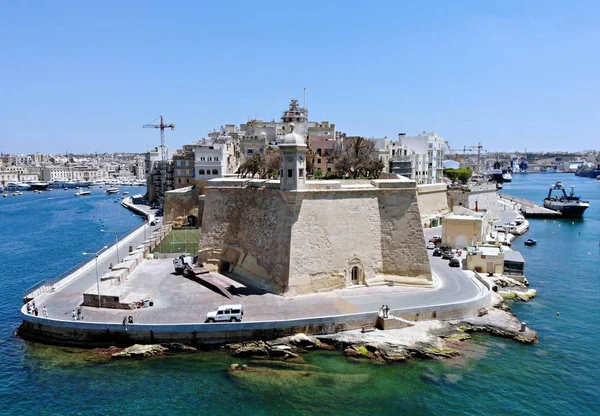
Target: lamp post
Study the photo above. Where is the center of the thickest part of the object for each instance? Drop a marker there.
(97, 276)
(116, 241)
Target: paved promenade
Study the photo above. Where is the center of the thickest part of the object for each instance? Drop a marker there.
(180, 300)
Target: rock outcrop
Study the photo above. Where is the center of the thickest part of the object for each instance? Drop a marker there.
(152, 350)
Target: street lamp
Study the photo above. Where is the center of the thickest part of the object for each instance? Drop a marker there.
(97, 276)
(116, 240)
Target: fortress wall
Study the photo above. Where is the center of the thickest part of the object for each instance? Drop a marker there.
(485, 196)
(247, 229)
(403, 243)
(310, 241)
(335, 230)
(181, 204)
(433, 201)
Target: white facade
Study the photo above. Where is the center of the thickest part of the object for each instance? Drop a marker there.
(210, 160)
(428, 156)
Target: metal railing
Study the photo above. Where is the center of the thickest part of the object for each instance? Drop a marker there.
(46, 285)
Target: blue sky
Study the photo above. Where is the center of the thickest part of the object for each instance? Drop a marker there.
(84, 76)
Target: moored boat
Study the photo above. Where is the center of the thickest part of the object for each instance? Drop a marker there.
(568, 205)
(112, 191)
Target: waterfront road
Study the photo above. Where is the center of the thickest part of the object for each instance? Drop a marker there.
(180, 300)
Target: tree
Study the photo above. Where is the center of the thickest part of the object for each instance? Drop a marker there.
(359, 159)
(464, 174)
(451, 174)
(271, 164)
(266, 167)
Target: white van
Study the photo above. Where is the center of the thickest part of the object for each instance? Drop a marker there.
(226, 313)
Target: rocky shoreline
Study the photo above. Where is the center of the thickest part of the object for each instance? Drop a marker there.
(428, 339)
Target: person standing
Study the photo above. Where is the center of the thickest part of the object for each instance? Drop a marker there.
(79, 313)
(44, 312)
(74, 314)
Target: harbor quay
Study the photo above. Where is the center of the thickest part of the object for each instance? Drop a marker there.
(180, 306)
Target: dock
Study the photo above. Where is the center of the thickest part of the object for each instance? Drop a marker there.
(530, 209)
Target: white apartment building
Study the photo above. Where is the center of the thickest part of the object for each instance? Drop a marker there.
(428, 156)
(210, 160)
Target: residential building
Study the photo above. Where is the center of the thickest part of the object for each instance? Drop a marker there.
(428, 157)
(211, 160)
(323, 140)
(183, 169)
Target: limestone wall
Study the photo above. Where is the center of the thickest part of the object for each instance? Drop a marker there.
(433, 202)
(484, 196)
(310, 241)
(181, 204)
(250, 230)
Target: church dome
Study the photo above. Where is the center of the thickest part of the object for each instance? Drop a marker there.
(293, 137)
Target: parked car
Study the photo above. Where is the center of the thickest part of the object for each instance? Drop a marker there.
(447, 255)
(435, 239)
(226, 313)
(437, 252)
(430, 246)
(454, 262)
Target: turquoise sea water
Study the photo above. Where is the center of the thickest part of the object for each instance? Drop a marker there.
(558, 376)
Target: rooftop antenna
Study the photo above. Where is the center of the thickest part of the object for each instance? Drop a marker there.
(304, 105)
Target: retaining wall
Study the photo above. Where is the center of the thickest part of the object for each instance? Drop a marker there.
(97, 334)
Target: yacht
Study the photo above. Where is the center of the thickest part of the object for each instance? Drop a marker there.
(17, 186)
(112, 191)
(83, 193)
(37, 185)
(568, 205)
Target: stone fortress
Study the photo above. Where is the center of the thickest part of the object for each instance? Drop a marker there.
(292, 236)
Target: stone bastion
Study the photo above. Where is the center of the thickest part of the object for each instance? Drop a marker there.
(329, 235)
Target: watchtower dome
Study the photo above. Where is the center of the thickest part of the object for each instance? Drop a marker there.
(293, 161)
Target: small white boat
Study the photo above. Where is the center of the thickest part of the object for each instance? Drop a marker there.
(112, 191)
(125, 193)
(83, 193)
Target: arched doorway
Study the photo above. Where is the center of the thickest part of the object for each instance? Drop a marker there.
(355, 275)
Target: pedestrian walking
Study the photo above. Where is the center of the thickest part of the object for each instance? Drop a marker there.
(35, 311)
(44, 312)
(74, 314)
(387, 311)
(125, 322)
(79, 313)
(29, 308)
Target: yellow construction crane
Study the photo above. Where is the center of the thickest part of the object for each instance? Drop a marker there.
(454, 156)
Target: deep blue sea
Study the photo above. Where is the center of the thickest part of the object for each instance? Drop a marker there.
(558, 376)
